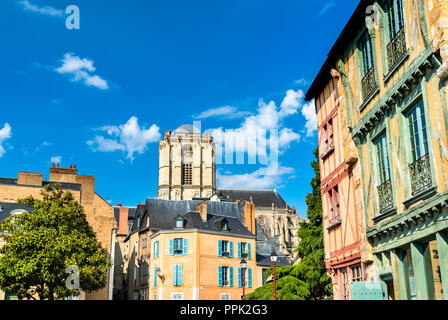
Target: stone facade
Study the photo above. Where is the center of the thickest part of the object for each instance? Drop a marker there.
(186, 165)
(99, 212)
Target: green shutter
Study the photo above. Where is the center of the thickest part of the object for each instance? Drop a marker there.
(171, 247)
(231, 249)
(249, 277)
(249, 251)
(239, 250)
(155, 276)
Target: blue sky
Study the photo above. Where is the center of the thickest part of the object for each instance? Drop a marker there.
(100, 97)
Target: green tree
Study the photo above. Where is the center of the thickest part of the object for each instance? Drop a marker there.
(308, 279)
(42, 244)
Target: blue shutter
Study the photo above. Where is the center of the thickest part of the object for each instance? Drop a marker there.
(239, 278)
(157, 248)
(179, 274)
(249, 277)
(231, 276)
(219, 248)
(155, 276)
(171, 247)
(220, 276)
(231, 249)
(249, 251)
(154, 248)
(185, 246)
(175, 275)
(239, 250)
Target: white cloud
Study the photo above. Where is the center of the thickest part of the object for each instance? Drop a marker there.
(56, 159)
(254, 180)
(309, 112)
(5, 134)
(228, 112)
(80, 69)
(45, 10)
(129, 138)
(255, 130)
(326, 7)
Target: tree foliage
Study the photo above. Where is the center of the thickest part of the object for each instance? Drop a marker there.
(42, 244)
(308, 279)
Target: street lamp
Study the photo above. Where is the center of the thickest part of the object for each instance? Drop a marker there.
(243, 266)
(274, 260)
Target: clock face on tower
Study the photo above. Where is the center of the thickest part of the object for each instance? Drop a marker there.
(265, 226)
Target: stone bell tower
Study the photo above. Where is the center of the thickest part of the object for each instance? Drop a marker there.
(186, 164)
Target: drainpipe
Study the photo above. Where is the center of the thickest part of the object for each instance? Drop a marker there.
(110, 280)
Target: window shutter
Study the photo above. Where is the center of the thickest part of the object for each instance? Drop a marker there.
(239, 278)
(249, 251)
(179, 274)
(239, 250)
(231, 276)
(249, 277)
(171, 247)
(157, 248)
(219, 248)
(175, 275)
(154, 248)
(220, 276)
(155, 276)
(185, 246)
(231, 249)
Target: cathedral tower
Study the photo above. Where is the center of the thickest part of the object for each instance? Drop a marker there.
(186, 164)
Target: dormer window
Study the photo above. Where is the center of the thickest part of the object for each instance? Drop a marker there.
(179, 223)
(224, 225)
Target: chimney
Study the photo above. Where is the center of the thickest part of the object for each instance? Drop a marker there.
(30, 178)
(201, 207)
(249, 216)
(63, 174)
(123, 220)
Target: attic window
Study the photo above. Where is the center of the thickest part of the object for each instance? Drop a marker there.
(224, 226)
(179, 223)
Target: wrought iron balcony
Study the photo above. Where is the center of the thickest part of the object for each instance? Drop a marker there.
(420, 172)
(368, 84)
(396, 48)
(385, 196)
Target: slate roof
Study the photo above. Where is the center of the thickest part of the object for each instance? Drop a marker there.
(7, 208)
(261, 198)
(264, 249)
(162, 216)
(64, 185)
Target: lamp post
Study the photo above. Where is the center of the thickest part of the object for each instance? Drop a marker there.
(274, 260)
(243, 266)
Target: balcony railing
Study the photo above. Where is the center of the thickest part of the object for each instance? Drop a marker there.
(396, 48)
(368, 83)
(385, 196)
(420, 172)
